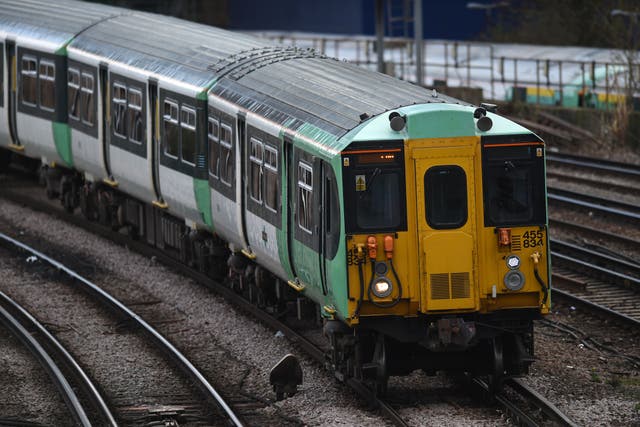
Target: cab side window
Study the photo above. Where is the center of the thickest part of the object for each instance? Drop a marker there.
(213, 135)
(73, 93)
(135, 125)
(304, 211)
(226, 155)
(188, 134)
(29, 80)
(47, 77)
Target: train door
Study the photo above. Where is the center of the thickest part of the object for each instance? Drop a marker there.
(305, 198)
(288, 208)
(106, 119)
(445, 224)
(242, 191)
(329, 221)
(12, 103)
(154, 108)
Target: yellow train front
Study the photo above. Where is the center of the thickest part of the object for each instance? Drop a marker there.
(446, 244)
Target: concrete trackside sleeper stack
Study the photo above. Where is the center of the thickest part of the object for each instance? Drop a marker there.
(414, 223)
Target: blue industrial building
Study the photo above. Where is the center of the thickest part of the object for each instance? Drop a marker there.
(442, 19)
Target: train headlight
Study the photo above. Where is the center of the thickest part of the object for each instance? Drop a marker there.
(514, 280)
(513, 262)
(382, 287)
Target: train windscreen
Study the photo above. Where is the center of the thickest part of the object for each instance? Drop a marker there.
(513, 181)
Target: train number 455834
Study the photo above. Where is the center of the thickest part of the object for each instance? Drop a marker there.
(533, 238)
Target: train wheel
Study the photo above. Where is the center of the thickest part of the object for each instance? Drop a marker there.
(380, 359)
(496, 379)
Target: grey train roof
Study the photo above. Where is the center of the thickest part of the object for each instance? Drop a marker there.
(327, 93)
(166, 46)
(52, 21)
(287, 85)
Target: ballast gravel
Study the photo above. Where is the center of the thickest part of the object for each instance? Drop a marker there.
(24, 384)
(233, 349)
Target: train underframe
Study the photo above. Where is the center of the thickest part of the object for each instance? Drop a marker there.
(380, 347)
(497, 345)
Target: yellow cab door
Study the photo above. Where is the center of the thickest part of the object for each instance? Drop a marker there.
(446, 226)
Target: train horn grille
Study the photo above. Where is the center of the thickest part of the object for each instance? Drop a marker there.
(450, 286)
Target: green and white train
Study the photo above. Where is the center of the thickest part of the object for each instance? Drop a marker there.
(413, 223)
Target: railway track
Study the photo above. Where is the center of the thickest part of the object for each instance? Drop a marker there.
(595, 273)
(295, 336)
(517, 398)
(21, 323)
(207, 392)
(625, 188)
(595, 235)
(618, 210)
(624, 170)
(598, 280)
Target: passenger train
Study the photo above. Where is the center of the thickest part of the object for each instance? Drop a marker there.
(413, 224)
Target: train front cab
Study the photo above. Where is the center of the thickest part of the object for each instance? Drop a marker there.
(447, 247)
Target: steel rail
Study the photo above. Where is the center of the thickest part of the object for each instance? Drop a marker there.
(593, 182)
(624, 210)
(598, 164)
(540, 401)
(549, 409)
(560, 247)
(594, 231)
(67, 392)
(49, 341)
(183, 363)
(620, 278)
(592, 305)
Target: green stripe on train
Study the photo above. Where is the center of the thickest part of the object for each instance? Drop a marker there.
(62, 139)
(202, 194)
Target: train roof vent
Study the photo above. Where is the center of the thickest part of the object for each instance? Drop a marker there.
(240, 64)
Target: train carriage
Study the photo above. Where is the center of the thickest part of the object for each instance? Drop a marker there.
(414, 224)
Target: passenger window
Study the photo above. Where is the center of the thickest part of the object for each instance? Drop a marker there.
(73, 97)
(305, 197)
(445, 197)
(255, 170)
(171, 128)
(119, 110)
(271, 178)
(47, 86)
(214, 146)
(226, 155)
(29, 80)
(87, 102)
(188, 127)
(135, 122)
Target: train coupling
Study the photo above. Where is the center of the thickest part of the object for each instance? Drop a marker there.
(286, 376)
(450, 332)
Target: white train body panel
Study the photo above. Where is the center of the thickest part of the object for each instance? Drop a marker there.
(36, 135)
(264, 243)
(132, 173)
(224, 211)
(88, 155)
(178, 193)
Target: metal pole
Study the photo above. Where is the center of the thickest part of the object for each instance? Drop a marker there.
(417, 29)
(538, 81)
(380, 34)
